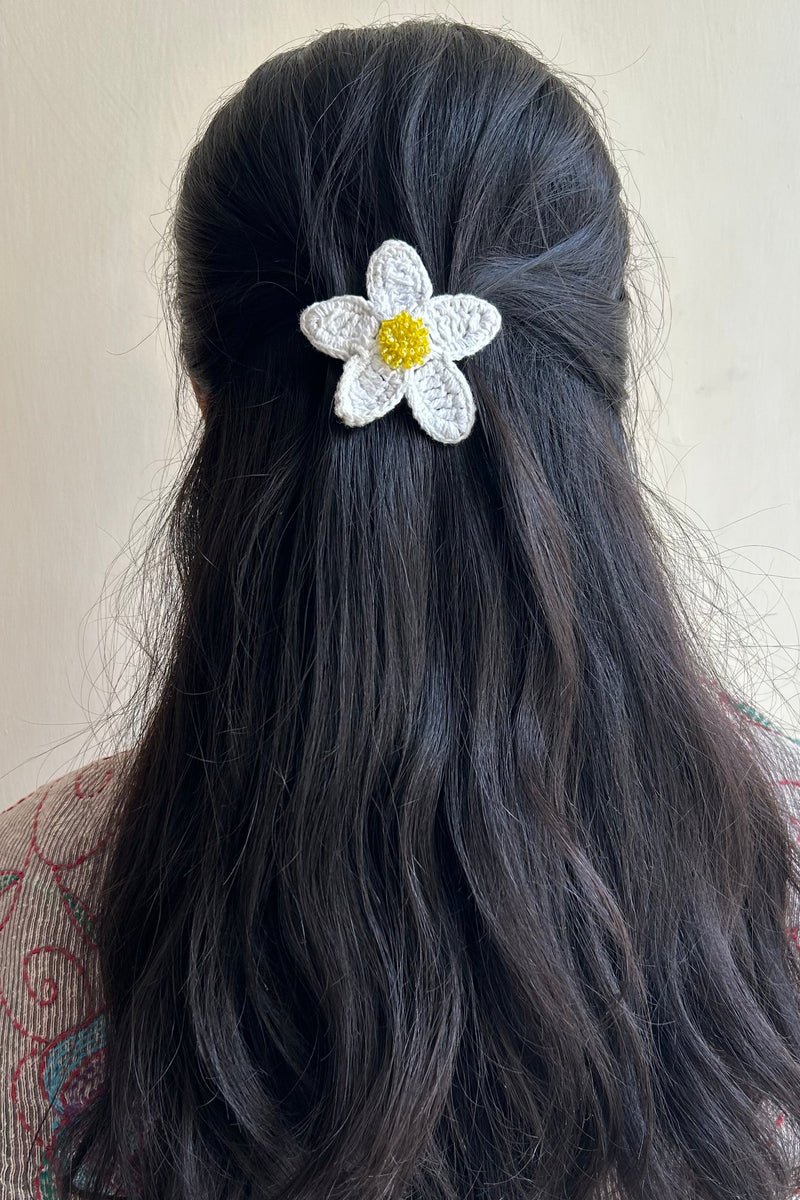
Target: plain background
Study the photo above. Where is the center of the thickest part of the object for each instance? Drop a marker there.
(98, 105)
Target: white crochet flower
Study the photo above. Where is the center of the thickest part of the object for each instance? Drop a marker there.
(402, 341)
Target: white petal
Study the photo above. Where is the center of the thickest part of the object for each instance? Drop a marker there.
(341, 327)
(460, 325)
(441, 400)
(397, 279)
(367, 389)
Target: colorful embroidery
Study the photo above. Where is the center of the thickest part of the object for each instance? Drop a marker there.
(7, 879)
(49, 973)
(71, 1074)
(758, 718)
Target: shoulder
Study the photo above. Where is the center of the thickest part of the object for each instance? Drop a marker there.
(52, 846)
(57, 820)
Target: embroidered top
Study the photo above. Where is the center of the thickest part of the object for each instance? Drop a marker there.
(51, 1019)
(51, 1013)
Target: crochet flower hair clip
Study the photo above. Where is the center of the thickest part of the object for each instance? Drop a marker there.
(402, 341)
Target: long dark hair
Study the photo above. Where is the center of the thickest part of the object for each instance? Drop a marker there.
(440, 870)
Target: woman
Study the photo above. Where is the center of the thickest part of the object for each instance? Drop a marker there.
(444, 864)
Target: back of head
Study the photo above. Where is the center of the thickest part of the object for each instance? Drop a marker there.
(440, 869)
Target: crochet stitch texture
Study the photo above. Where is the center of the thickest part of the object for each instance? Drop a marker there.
(402, 341)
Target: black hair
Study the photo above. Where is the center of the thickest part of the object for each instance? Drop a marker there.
(440, 870)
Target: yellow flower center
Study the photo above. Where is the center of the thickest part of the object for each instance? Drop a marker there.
(403, 340)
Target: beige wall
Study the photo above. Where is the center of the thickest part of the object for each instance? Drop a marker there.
(98, 101)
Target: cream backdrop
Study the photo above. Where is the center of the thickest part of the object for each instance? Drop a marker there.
(98, 103)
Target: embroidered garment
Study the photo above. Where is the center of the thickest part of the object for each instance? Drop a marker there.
(53, 844)
(52, 847)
